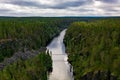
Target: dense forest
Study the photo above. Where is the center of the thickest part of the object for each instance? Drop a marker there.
(36, 68)
(94, 49)
(27, 33)
(19, 35)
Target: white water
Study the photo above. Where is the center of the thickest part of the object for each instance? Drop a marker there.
(61, 68)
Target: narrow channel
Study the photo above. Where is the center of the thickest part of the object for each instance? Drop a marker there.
(61, 68)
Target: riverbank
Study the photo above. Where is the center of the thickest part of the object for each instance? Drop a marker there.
(21, 55)
(34, 68)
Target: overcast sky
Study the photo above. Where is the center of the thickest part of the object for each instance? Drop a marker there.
(59, 7)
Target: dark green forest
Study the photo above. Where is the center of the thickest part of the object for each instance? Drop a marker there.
(94, 49)
(93, 46)
(36, 68)
(21, 34)
(28, 34)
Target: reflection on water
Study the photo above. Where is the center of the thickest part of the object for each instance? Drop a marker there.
(61, 68)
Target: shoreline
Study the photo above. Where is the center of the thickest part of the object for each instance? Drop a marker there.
(20, 55)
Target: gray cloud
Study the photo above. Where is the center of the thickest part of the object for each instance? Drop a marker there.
(108, 1)
(111, 10)
(4, 10)
(24, 3)
(82, 10)
(71, 4)
(59, 7)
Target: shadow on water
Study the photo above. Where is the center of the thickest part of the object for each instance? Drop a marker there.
(61, 68)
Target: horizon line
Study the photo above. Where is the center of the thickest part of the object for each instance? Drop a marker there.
(59, 16)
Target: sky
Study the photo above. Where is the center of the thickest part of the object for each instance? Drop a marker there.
(51, 8)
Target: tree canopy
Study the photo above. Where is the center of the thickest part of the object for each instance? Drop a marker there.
(94, 49)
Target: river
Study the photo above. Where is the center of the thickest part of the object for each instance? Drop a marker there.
(61, 68)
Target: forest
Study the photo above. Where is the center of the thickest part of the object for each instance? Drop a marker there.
(92, 44)
(93, 49)
(36, 68)
(28, 34)
(21, 34)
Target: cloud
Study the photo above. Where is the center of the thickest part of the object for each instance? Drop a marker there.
(24, 3)
(59, 7)
(72, 4)
(4, 10)
(109, 1)
(59, 4)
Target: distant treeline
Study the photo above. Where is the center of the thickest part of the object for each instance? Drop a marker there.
(94, 49)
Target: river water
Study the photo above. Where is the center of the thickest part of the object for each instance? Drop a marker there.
(61, 68)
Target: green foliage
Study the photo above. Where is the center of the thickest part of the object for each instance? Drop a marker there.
(31, 69)
(20, 34)
(94, 47)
